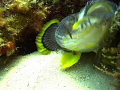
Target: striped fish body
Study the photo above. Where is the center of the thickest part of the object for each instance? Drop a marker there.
(84, 31)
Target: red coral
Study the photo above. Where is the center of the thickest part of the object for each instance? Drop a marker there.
(8, 48)
(3, 50)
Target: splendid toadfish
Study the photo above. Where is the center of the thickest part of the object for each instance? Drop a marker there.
(77, 33)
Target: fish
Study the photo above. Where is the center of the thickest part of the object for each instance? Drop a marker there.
(77, 33)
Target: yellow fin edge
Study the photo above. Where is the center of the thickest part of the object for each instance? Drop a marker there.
(39, 43)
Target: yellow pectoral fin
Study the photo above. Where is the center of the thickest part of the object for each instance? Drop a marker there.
(78, 23)
(41, 48)
(68, 59)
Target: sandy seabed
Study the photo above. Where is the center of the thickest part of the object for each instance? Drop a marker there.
(42, 72)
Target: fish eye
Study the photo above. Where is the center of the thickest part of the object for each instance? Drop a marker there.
(70, 22)
(72, 19)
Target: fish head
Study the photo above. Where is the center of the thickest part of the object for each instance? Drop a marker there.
(85, 30)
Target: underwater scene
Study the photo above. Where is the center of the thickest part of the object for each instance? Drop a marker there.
(59, 45)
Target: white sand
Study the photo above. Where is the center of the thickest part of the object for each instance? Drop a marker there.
(40, 72)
